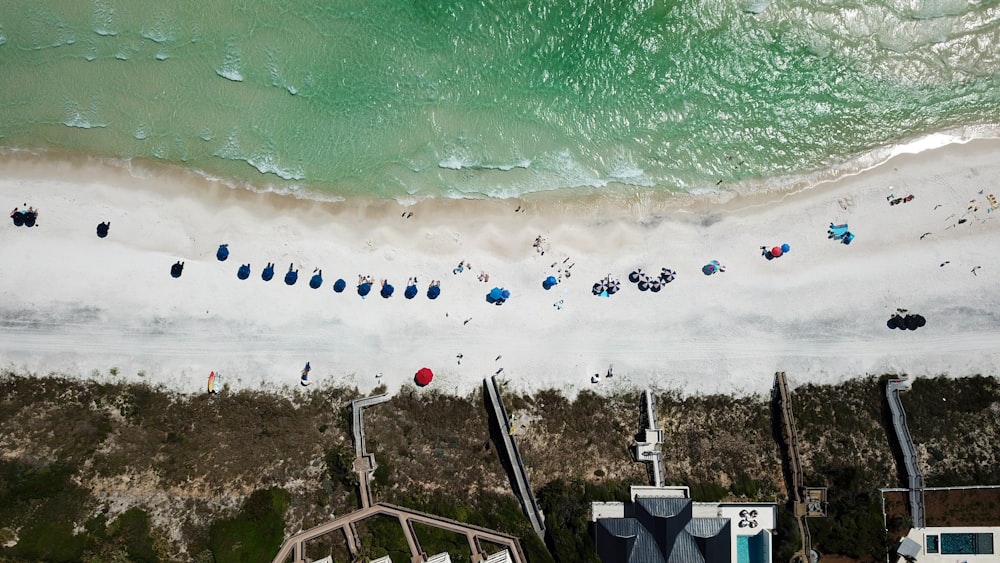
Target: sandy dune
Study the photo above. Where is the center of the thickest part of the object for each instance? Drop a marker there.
(73, 303)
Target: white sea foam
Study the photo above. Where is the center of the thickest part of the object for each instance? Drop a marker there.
(161, 31)
(103, 18)
(79, 122)
(268, 164)
(230, 148)
(141, 132)
(453, 162)
(82, 118)
(231, 62)
(456, 162)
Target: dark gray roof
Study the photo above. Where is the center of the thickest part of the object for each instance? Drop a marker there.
(663, 531)
(664, 507)
(642, 547)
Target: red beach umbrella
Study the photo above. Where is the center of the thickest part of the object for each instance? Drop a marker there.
(424, 376)
(776, 251)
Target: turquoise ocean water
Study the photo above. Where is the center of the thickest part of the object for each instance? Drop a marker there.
(461, 98)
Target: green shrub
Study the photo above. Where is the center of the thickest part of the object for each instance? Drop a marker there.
(256, 533)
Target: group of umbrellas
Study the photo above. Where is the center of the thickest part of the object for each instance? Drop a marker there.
(498, 296)
(316, 281)
(712, 267)
(24, 217)
(607, 287)
(645, 283)
(775, 251)
(906, 321)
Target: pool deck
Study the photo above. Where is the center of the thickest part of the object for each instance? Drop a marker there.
(919, 535)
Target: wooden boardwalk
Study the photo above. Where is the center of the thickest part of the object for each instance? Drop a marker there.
(784, 398)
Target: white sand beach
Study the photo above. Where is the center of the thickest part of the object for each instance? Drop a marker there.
(72, 303)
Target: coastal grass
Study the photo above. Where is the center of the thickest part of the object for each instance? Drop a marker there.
(256, 461)
(256, 533)
(436, 540)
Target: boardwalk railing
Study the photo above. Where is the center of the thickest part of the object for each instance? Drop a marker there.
(519, 477)
(913, 476)
(794, 464)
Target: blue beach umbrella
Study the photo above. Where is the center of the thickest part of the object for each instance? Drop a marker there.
(387, 290)
(433, 292)
(222, 253)
(785, 247)
(292, 276)
(549, 282)
(316, 280)
(495, 294)
(505, 294)
(709, 269)
(339, 286)
(268, 272)
(411, 292)
(244, 272)
(364, 289)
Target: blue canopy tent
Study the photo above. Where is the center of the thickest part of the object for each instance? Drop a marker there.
(411, 292)
(549, 282)
(292, 276)
(222, 253)
(244, 272)
(494, 295)
(316, 280)
(433, 292)
(268, 272)
(837, 232)
(339, 286)
(387, 290)
(364, 289)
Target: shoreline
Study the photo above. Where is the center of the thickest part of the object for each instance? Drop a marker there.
(617, 193)
(818, 313)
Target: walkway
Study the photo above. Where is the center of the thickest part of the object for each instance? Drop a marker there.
(913, 476)
(364, 463)
(519, 476)
(295, 545)
(649, 450)
(791, 438)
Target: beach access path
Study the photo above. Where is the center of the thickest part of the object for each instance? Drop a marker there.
(76, 304)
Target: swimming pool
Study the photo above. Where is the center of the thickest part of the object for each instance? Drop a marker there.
(752, 549)
(965, 544)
